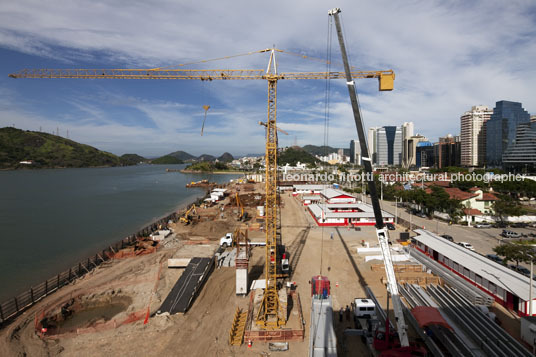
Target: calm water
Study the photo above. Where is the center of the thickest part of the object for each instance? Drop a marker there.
(52, 219)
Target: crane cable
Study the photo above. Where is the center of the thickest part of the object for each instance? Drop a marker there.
(326, 120)
(326, 135)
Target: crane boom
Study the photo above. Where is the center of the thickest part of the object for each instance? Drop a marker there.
(385, 78)
(381, 231)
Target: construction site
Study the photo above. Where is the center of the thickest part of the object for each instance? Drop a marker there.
(249, 271)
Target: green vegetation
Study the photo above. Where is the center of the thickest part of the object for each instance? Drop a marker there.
(516, 189)
(181, 155)
(293, 155)
(437, 200)
(206, 166)
(167, 160)
(48, 151)
(517, 252)
(506, 207)
(132, 159)
(226, 157)
(319, 150)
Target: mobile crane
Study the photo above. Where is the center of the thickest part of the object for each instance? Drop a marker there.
(381, 230)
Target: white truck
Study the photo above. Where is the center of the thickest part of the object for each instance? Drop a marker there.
(226, 241)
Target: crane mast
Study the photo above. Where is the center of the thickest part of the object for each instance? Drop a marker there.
(271, 314)
(381, 231)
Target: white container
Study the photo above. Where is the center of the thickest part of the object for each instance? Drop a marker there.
(260, 211)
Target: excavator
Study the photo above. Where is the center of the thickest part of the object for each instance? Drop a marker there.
(242, 214)
(392, 343)
(189, 216)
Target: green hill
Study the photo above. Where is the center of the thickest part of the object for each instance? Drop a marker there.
(48, 151)
(167, 160)
(319, 150)
(293, 155)
(181, 155)
(132, 159)
(226, 157)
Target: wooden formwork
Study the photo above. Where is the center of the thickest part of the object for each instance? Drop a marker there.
(399, 268)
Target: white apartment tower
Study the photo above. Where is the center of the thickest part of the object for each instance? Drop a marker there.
(473, 135)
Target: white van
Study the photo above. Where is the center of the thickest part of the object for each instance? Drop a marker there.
(364, 308)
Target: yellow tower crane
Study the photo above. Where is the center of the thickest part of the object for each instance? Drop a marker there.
(270, 314)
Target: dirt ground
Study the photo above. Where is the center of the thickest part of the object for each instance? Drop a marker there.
(204, 329)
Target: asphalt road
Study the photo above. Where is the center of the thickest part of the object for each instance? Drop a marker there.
(482, 239)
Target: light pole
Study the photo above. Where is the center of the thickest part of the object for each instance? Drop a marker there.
(381, 185)
(396, 210)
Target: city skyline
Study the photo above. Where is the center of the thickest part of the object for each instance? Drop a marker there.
(445, 60)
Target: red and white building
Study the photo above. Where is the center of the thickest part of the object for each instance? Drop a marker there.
(509, 288)
(345, 214)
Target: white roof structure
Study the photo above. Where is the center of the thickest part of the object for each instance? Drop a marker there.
(332, 193)
(368, 213)
(497, 273)
(312, 198)
(360, 206)
(310, 187)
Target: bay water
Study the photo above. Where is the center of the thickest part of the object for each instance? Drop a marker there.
(52, 219)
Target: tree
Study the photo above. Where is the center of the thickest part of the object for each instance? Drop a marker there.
(514, 252)
(506, 207)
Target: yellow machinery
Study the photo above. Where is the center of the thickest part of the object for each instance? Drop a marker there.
(188, 216)
(271, 314)
(240, 207)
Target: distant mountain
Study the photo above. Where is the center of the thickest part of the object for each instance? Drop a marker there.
(293, 155)
(319, 150)
(181, 155)
(42, 150)
(167, 160)
(226, 157)
(132, 159)
(206, 157)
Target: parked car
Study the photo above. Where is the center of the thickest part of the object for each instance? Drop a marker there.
(519, 269)
(466, 245)
(510, 234)
(420, 214)
(483, 225)
(390, 226)
(500, 225)
(519, 225)
(495, 258)
(447, 237)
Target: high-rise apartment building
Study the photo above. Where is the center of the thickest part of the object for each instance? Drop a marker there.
(447, 151)
(372, 141)
(501, 129)
(521, 155)
(424, 154)
(389, 146)
(473, 135)
(409, 151)
(355, 152)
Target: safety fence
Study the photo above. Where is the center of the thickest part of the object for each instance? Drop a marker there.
(15, 306)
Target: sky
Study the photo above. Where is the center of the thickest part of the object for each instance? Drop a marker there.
(447, 57)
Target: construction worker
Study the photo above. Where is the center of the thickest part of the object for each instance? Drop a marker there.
(331, 236)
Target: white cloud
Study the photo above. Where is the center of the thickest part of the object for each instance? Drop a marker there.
(447, 57)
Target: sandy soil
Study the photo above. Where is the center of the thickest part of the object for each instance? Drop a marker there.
(204, 329)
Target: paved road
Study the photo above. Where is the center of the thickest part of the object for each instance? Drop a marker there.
(483, 239)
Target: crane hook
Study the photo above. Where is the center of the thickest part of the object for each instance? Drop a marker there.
(206, 107)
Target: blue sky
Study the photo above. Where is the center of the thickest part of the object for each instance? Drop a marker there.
(447, 56)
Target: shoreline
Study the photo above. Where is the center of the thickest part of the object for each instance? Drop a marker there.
(184, 171)
(130, 239)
